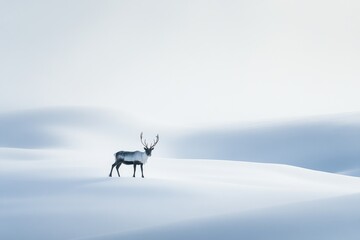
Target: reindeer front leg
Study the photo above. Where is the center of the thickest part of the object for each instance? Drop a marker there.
(134, 169)
(142, 171)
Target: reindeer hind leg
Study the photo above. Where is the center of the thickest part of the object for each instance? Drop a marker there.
(112, 167)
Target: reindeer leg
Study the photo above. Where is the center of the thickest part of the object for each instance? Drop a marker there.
(142, 171)
(134, 169)
(117, 169)
(112, 169)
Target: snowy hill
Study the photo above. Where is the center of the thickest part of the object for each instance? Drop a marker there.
(54, 166)
(330, 219)
(69, 196)
(328, 143)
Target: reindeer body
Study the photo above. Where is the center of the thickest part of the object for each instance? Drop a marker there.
(133, 158)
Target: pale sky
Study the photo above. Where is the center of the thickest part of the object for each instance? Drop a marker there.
(182, 62)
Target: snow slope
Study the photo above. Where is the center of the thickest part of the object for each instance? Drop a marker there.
(330, 219)
(328, 143)
(54, 184)
(67, 195)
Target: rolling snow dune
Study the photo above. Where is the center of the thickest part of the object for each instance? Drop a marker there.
(45, 127)
(327, 144)
(72, 197)
(54, 184)
(25, 134)
(330, 219)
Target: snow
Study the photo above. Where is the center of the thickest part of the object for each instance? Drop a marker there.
(54, 184)
(326, 219)
(327, 143)
(70, 196)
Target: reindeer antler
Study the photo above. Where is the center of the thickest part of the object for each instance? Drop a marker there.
(155, 141)
(143, 142)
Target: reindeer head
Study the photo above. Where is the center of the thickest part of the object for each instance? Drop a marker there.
(147, 148)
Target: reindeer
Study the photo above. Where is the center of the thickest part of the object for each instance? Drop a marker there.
(134, 158)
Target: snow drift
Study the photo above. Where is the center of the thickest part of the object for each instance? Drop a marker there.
(326, 144)
(71, 197)
(54, 182)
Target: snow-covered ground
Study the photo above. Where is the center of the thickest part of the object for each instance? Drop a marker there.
(54, 184)
(67, 194)
(327, 143)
